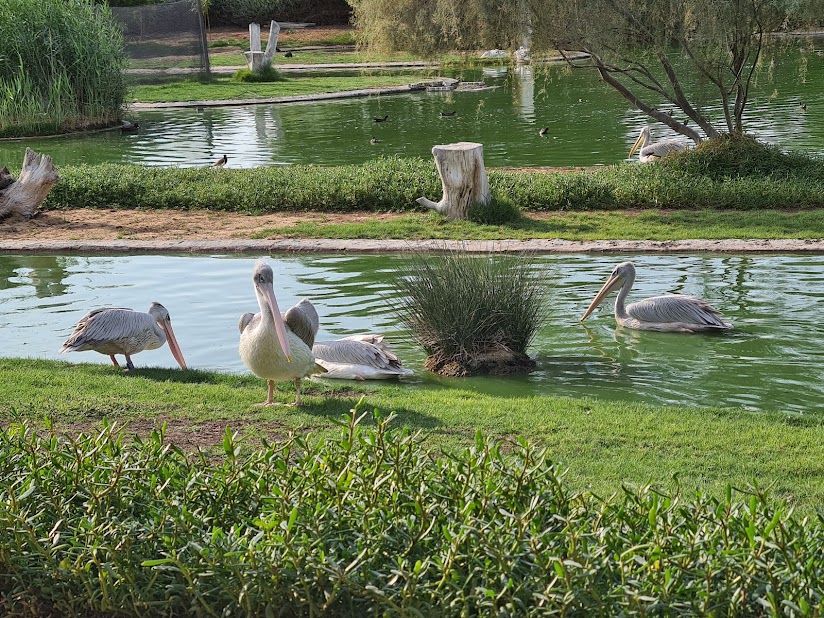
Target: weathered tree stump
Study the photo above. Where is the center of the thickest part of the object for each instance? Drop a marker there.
(463, 176)
(257, 59)
(24, 195)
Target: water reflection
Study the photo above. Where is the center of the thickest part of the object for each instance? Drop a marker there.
(773, 360)
(589, 123)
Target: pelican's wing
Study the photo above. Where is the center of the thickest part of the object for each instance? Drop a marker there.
(246, 319)
(302, 319)
(103, 325)
(355, 351)
(677, 308)
(660, 149)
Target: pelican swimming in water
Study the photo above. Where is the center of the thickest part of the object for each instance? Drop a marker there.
(117, 330)
(278, 347)
(653, 152)
(672, 313)
(359, 357)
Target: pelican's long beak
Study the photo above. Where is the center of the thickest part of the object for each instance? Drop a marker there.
(610, 285)
(170, 337)
(280, 327)
(635, 146)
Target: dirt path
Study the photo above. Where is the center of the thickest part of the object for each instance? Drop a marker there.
(175, 231)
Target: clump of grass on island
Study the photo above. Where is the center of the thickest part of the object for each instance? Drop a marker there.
(471, 314)
(266, 74)
(372, 522)
(61, 67)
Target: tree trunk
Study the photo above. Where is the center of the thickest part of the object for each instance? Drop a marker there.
(24, 196)
(463, 176)
(258, 60)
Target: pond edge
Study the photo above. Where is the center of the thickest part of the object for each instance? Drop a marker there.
(325, 245)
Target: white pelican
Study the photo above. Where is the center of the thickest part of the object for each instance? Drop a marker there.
(653, 152)
(673, 313)
(274, 350)
(118, 330)
(359, 357)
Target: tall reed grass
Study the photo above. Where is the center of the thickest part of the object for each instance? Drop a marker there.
(472, 314)
(61, 66)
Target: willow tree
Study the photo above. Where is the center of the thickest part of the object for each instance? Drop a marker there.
(633, 45)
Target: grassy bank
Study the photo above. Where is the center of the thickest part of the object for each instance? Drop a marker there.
(699, 180)
(632, 225)
(604, 444)
(224, 89)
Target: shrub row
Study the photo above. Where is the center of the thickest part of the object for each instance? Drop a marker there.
(700, 179)
(371, 523)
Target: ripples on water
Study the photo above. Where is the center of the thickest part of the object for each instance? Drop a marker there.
(589, 124)
(772, 361)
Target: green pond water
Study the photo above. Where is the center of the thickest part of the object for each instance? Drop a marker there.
(773, 360)
(589, 124)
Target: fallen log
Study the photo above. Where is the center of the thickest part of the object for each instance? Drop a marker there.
(25, 195)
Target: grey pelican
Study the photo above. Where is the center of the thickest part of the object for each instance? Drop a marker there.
(359, 357)
(653, 152)
(118, 330)
(672, 313)
(221, 161)
(278, 347)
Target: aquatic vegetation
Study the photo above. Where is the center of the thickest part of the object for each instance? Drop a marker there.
(471, 314)
(61, 68)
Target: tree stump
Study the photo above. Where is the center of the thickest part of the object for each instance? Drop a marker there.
(258, 60)
(24, 195)
(463, 176)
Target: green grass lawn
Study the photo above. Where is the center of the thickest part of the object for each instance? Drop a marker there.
(647, 225)
(223, 88)
(603, 444)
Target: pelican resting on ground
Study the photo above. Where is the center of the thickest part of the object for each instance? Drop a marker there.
(359, 357)
(118, 330)
(672, 313)
(278, 347)
(653, 152)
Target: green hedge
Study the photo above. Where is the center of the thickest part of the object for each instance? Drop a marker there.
(393, 184)
(372, 523)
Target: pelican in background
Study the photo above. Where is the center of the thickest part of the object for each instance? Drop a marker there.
(118, 330)
(359, 357)
(278, 347)
(672, 313)
(653, 152)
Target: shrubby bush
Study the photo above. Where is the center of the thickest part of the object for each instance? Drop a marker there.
(692, 180)
(372, 522)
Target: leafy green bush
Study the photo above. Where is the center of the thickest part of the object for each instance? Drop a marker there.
(373, 523)
(392, 184)
(741, 156)
(267, 74)
(471, 314)
(61, 66)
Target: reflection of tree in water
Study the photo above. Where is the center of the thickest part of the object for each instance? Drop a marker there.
(45, 273)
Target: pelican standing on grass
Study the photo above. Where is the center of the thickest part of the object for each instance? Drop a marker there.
(359, 357)
(117, 330)
(278, 347)
(672, 313)
(653, 152)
